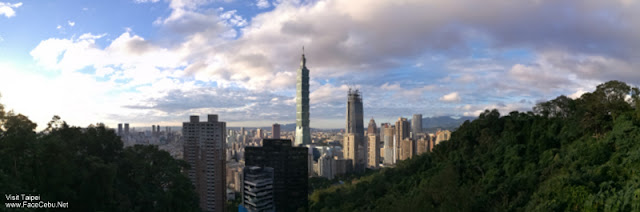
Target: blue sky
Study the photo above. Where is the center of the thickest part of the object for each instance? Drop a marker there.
(158, 61)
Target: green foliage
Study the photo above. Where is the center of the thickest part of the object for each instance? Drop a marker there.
(566, 155)
(89, 169)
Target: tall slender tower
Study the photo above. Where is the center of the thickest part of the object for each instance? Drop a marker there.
(354, 138)
(373, 145)
(303, 135)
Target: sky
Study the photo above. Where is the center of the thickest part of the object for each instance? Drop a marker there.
(155, 62)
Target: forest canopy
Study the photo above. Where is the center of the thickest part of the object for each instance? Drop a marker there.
(88, 168)
(566, 155)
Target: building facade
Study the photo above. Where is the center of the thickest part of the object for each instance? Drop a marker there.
(257, 192)
(204, 151)
(290, 169)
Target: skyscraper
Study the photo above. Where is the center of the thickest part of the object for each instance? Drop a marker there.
(120, 129)
(303, 134)
(373, 145)
(355, 146)
(275, 131)
(402, 132)
(126, 129)
(290, 171)
(407, 148)
(416, 125)
(389, 147)
(204, 151)
(355, 123)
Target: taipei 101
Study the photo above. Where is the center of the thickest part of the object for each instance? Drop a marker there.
(319, 105)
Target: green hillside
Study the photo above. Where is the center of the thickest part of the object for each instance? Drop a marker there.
(566, 155)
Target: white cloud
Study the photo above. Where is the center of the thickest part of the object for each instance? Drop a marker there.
(59, 27)
(71, 23)
(262, 4)
(6, 9)
(451, 97)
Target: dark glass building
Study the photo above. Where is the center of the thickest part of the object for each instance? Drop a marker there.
(290, 168)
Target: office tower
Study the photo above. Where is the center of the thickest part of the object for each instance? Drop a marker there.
(257, 193)
(242, 131)
(303, 134)
(120, 129)
(416, 125)
(373, 146)
(126, 128)
(401, 132)
(353, 151)
(158, 129)
(275, 131)
(290, 169)
(423, 145)
(355, 145)
(407, 147)
(259, 133)
(389, 148)
(326, 165)
(441, 136)
(204, 151)
(355, 117)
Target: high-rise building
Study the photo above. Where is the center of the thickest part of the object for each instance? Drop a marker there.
(326, 165)
(423, 145)
(354, 139)
(303, 133)
(259, 133)
(416, 125)
(355, 151)
(275, 131)
(407, 147)
(126, 128)
(120, 129)
(401, 132)
(290, 169)
(204, 151)
(257, 193)
(373, 145)
(355, 122)
(443, 135)
(389, 148)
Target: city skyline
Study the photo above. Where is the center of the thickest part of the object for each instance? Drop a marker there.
(161, 61)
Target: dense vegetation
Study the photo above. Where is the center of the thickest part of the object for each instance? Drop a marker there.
(89, 168)
(565, 155)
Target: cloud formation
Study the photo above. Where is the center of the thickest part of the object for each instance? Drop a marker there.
(451, 97)
(495, 52)
(7, 9)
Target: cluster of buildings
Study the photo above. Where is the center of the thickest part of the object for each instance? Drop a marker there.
(270, 169)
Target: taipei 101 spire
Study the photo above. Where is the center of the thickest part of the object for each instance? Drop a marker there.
(303, 134)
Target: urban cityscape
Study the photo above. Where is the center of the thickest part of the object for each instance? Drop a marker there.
(319, 105)
(269, 168)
